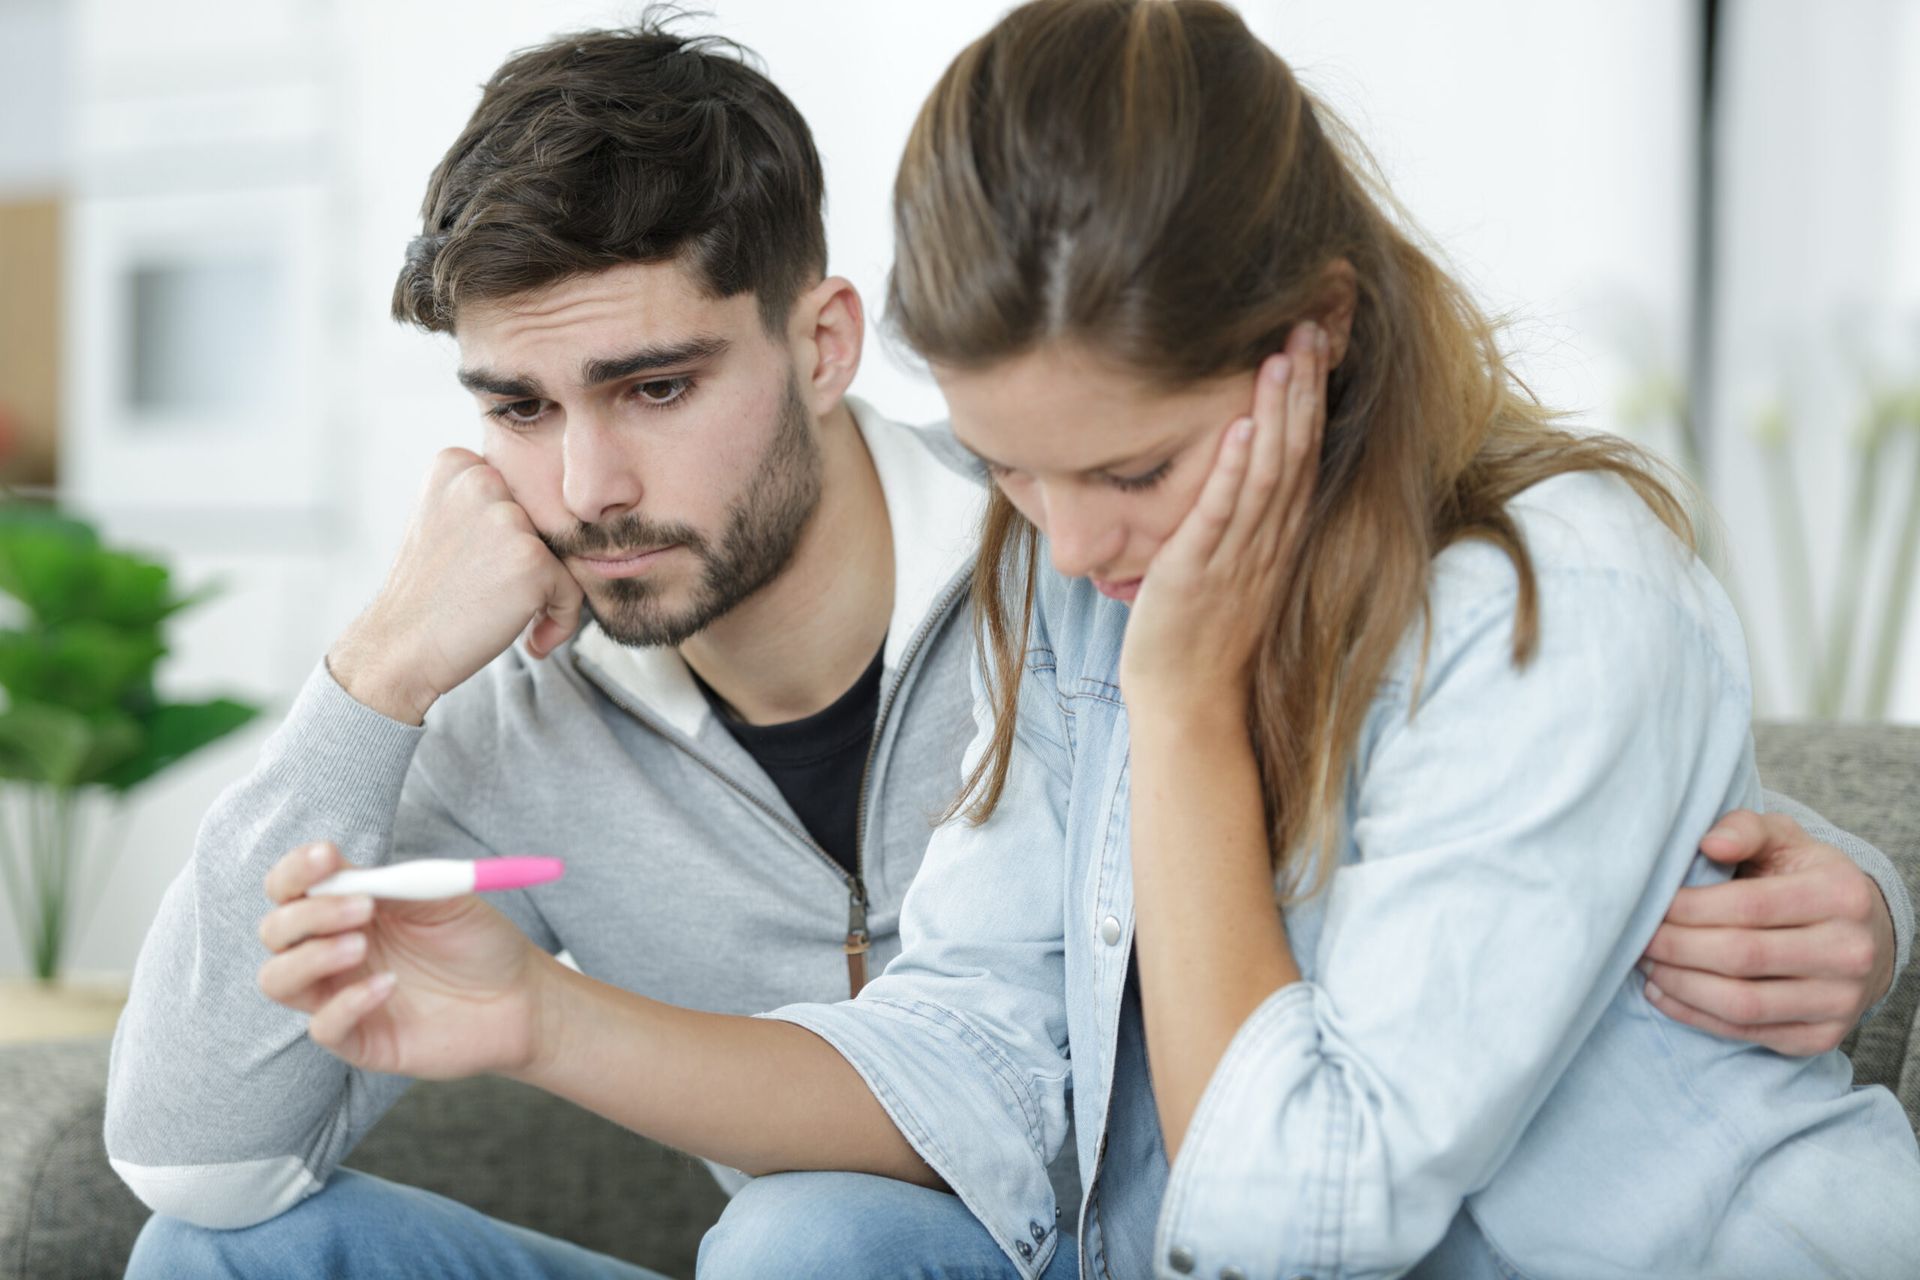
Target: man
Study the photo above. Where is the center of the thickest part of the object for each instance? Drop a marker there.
(740, 753)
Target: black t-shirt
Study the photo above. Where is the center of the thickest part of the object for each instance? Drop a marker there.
(817, 762)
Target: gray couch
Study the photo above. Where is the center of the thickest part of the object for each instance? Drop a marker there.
(525, 1157)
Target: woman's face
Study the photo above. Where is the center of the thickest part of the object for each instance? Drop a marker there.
(1102, 464)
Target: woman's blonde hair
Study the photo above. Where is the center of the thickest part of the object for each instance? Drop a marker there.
(1146, 180)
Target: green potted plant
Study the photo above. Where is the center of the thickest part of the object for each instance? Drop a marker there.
(81, 723)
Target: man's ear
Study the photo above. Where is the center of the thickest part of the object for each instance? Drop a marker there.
(1339, 297)
(825, 330)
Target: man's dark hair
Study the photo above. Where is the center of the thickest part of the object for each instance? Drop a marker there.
(611, 147)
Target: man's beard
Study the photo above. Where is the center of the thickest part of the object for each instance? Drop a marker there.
(763, 529)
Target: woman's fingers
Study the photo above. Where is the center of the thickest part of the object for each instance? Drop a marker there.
(1306, 422)
(291, 977)
(1289, 414)
(1195, 541)
(1266, 464)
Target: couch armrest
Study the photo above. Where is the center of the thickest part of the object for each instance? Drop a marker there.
(63, 1211)
(508, 1150)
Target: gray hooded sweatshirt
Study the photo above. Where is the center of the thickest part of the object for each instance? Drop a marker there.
(689, 878)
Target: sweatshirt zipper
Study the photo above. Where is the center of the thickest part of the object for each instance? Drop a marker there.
(859, 940)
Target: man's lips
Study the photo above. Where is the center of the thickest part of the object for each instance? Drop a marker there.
(626, 564)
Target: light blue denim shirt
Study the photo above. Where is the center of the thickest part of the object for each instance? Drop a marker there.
(1467, 1081)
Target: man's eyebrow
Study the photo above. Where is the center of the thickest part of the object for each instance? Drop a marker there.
(500, 384)
(593, 373)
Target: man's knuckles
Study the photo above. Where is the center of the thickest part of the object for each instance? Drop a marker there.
(1855, 958)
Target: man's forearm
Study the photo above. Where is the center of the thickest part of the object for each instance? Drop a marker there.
(218, 1108)
(754, 1094)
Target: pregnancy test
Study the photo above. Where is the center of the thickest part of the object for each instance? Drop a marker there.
(424, 879)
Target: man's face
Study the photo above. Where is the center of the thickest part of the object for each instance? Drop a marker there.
(655, 436)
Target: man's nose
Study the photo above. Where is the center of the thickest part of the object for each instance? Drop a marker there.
(600, 481)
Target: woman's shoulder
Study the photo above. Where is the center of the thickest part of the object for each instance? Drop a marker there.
(1602, 562)
(1580, 522)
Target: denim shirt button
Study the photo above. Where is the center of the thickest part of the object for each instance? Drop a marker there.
(1110, 930)
(1232, 1273)
(1180, 1258)
(1026, 1250)
(1039, 1232)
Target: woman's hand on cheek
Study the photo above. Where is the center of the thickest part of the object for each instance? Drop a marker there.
(1213, 586)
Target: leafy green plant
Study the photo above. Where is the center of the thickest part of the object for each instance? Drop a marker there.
(1831, 672)
(81, 718)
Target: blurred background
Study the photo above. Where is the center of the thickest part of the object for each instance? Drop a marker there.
(1698, 212)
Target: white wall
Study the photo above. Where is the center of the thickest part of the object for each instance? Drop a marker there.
(1820, 295)
(34, 38)
(1544, 146)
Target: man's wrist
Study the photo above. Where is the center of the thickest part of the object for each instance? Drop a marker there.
(354, 662)
(1880, 982)
(553, 989)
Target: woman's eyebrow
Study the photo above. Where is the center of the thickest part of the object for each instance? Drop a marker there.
(1132, 459)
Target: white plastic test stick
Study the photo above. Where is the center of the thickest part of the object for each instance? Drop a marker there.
(425, 879)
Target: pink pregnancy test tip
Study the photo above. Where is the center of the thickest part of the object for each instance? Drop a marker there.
(515, 873)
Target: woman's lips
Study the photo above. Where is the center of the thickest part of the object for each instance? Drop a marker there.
(625, 566)
(1121, 591)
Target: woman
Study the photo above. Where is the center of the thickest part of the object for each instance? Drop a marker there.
(1462, 708)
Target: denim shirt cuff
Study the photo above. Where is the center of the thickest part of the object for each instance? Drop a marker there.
(926, 1067)
(1203, 1223)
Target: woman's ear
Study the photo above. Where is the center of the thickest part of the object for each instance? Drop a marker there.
(1339, 296)
(826, 329)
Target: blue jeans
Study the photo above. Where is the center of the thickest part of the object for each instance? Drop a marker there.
(364, 1228)
(790, 1225)
(797, 1226)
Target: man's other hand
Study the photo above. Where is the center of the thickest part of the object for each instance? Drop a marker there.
(434, 990)
(1788, 954)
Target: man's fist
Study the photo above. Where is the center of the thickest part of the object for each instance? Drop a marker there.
(471, 575)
